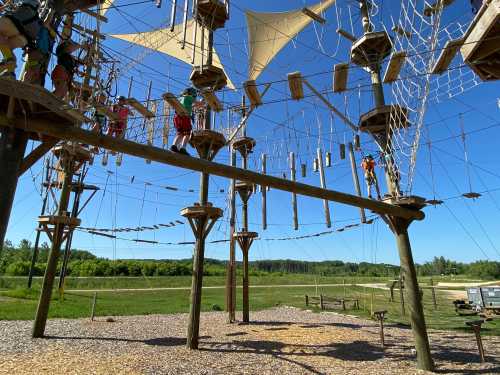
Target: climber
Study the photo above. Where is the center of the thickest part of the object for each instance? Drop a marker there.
(183, 124)
(368, 165)
(98, 118)
(62, 75)
(117, 128)
(37, 57)
(18, 29)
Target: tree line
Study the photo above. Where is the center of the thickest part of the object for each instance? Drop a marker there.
(16, 260)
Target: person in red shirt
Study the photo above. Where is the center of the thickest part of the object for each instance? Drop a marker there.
(117, 128)
(368, 164)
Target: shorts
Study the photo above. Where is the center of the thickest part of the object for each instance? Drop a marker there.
(183, 125)
(116, 128)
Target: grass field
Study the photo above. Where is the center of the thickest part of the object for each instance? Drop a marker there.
(18, 303)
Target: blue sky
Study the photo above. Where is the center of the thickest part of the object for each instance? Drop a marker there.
(461, 229)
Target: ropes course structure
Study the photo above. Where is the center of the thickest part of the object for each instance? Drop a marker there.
(117, 103)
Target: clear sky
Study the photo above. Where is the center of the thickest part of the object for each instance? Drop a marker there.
(134, 194)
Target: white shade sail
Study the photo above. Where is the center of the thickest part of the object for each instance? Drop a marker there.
(269, 33)
(106, 4)
(169, 43)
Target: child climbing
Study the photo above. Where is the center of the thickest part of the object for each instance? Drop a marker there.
(117, 128)
(183, 123)
(98, 118)
(18, 29)
(62, 75)
(368, 164)
(37, 57)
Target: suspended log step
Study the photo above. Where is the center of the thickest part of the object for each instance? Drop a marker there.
(434, 202)
(371, 48)
(316, 17)
(447, 55)
(139, 107)
(253, 93)
(472, 195)
(212, 101)
(295, 85)
(399, 30)
(481, 49)
(347, 35)
(173, 102)
(394, 67)
(340, 76)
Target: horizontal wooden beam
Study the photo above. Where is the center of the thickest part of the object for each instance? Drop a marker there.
(167, 157)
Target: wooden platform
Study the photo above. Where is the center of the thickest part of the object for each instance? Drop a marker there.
(212, 13)
(208, 78)
(371, 48)
(481, 49)
(198, 211)
(35, 102)
(412, 202)
(74, 5)
(54, 220)
(78, 152)
(246, 235)
(379, 119)
(201, 139)
(243, 186)
(244, 145)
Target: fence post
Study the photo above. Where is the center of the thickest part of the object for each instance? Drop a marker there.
(321, 302)
(92, 313)
(433, 290)
(307, 300)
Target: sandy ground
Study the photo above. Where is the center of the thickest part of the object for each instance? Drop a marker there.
(279, 341)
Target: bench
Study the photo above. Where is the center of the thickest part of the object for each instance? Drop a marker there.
(331, 303)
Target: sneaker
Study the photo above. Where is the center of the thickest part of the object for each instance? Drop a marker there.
(174, 148)
(183, 152)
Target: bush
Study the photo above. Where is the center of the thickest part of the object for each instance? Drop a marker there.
(18, 269)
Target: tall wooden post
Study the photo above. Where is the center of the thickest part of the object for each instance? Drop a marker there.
(294, 195)
(326, 204)
(34, 256)
(398, 225)
(231, 266)
(355, 179)
(264, 193)
(60, 226)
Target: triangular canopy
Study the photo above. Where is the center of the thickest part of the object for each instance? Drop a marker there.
(269, 33)
(106, 4)
(169, 43)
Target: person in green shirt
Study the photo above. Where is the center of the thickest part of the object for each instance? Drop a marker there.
(183, 123)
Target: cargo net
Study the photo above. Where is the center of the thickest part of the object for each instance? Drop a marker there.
(422, 37)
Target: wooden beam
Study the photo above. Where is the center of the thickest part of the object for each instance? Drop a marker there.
(212, 101)
(316, 17)
(139, 107)
(167, 157)
(252, 93)
(347, 35)
(36, 155)
(446, 56)
(173, 102)
(340, 75)
(295, 85)
(394, 66)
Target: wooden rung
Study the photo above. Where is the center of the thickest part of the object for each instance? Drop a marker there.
(212, 101)
(341, 72)
(394, 67)
(346, 35)
(252, 93)
(96, 15)
(172, 100)
(133, 102)
(314, 16)
(295, 85)
(447, 54)
(89, 31)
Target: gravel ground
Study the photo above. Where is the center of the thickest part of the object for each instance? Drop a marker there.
(282, 340)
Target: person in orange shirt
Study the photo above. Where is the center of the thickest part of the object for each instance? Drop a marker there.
(368, 164)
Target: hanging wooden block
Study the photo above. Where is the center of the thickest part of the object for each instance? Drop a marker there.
(212, 101)
(303, 170)
(253, 93)
(316, 17)
(340, 75)
(326, 205)
(119, 159)
(139, 107)
(315, 165)
(399, 30)
(294, 195)
(394, 66)
(446, 56)
(104, 160)
(172, 100)
(328, 159)
(357, 142)
(342, 151)
(295, 85)
(347, 35)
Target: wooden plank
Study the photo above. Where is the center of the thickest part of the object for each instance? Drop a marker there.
(212, 101)
(340, 75)
(316, 17)
(252, 93)
(347, 35)
(486, 18)
(36, 155)
(134, 103)
(173, 102)
(326, 204)
(295, 85)
(446, 56)
(200, 165)
(394, 66)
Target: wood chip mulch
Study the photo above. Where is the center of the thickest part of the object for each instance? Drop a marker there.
(278, 341)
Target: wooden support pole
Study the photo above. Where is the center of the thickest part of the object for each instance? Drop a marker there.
(326, 205)
(94, 302)
(434, 299)
(231, 269)
(12, 148)
(264, 193)
(402, 295)
(34, 256)
(294, 195)
(355, 179)
(246, 297)
(166, 157)
(57, 239)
